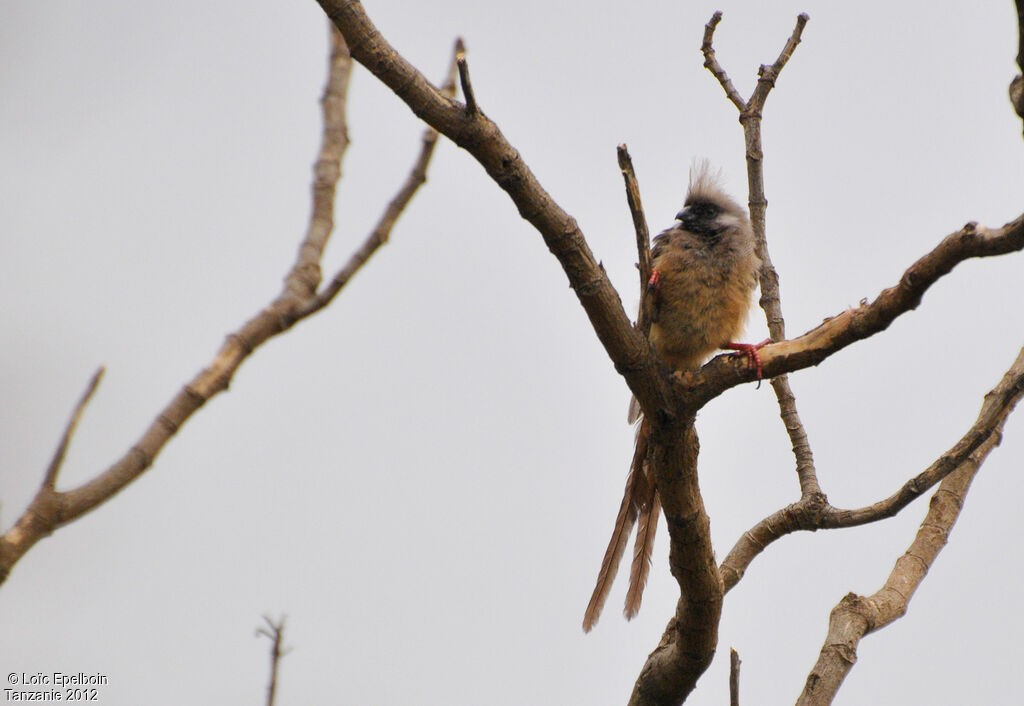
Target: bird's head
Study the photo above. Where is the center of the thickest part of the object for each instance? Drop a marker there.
(708, 210)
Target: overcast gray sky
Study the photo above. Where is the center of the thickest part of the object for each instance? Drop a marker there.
(424, 476)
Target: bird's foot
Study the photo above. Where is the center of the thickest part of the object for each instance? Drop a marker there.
(750, 351)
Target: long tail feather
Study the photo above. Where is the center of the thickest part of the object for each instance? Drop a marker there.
(636, 487)
(647, 525)
(612, 555)
(634, 412)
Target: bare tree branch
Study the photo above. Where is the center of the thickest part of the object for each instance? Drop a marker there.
(643, 234)
(39, 518)
(50, 477)
(688, 644)
(467, 85)
(1017, 84)
(734, 677)
(712, 65)
(382, 231)
(275, 633)
(866, 320)
(1020, 34)
(998, 405)
(298, 299)
(771, 301)
(477, 134)
(304, 278)
(856, 616)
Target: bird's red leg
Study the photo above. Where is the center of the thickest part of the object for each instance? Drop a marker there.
(654, 283)
(750, 350)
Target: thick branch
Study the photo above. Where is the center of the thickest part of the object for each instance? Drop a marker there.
(51, 509)
(477, 134)
(688, 643)
(866, 320)
(814, 514)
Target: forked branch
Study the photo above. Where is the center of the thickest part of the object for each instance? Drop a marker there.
(771, 300)
(51, 509)
(998, 405)
(274, 631)
(476, 133)
(813, 511)
(856, 616)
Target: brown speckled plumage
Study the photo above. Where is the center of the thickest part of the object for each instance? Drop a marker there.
(704, 289)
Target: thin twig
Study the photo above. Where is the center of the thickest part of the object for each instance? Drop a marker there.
(643, 235)
(275, 633)
(767, 75)
(734, 677)
(304, 277)
(382, 231)
(712, 65)
(50, 477)
(467, 85)
(1017, 84)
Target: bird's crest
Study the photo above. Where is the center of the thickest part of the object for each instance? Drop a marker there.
(705, 182)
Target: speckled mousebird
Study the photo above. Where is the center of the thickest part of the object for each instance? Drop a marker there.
(704, 271)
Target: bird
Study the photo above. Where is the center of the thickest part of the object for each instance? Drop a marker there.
(704, 271)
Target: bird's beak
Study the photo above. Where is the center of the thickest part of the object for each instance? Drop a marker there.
(683, 215)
